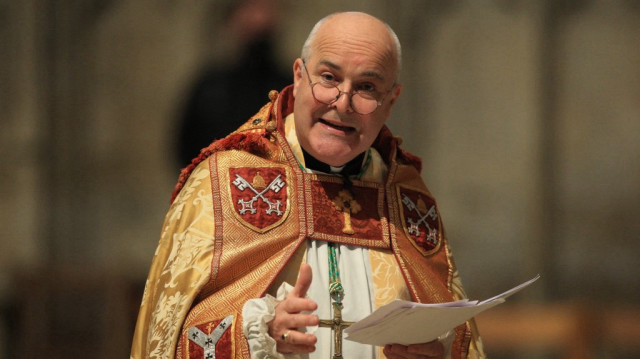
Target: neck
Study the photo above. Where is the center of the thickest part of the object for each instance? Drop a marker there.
(348, 169)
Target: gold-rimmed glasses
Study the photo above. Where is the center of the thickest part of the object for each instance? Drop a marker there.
(362, 101)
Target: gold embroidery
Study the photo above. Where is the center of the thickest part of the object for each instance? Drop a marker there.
(258, 182)
(254, 161)
(421, 206)
(209, 327)
(347, 204)
(177, 273)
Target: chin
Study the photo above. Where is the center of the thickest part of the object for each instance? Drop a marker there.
(336, 163)
(334, 159)
(332, 151)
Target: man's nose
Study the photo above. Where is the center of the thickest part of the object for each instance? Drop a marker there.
(343, 103)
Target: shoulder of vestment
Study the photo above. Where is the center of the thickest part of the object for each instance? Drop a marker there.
(253, 136)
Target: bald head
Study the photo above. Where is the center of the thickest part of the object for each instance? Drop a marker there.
(344, 86)
(360, 27)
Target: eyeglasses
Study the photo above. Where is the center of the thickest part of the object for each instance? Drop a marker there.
(362, 101)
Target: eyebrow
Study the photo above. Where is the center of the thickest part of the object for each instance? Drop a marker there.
(334, 66)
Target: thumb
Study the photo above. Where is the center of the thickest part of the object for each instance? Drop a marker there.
(304, 281)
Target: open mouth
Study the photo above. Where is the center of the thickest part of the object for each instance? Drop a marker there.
(337, 127)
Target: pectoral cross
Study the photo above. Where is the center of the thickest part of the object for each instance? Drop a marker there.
(337, 325)
(345, 202)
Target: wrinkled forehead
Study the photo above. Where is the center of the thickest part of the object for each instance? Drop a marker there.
(357, 40)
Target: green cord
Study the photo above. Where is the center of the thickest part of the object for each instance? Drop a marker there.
(336, 291)
(335, 286)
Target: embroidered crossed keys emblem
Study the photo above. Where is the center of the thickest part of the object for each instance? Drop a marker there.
(414, 226)
(208, 342)
(260, 189)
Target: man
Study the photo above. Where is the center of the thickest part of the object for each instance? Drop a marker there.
(222, 99)
(315, 182)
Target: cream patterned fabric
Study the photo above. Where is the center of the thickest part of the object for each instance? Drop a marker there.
(181, 264)
(180, 268)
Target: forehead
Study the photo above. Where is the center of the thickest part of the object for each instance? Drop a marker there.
(364, 44)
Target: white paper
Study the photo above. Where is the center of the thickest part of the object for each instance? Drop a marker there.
(404, 322)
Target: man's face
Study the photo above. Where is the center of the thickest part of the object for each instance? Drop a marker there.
(353, 54)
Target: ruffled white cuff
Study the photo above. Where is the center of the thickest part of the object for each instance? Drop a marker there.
(256, 313)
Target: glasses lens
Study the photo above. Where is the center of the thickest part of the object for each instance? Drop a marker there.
(328, 94)
(363, 105)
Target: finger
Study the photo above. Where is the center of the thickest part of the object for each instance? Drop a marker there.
(296, 342)
(432, 349)
(397, 351)
(389, 353)
(299, 321)
(304, 281)
(294, 305)
(298, 338)
(294, 349)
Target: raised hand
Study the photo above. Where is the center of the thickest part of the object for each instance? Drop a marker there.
(288, 318)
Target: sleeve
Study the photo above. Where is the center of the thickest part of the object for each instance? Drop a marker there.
(180, 268)
(257, 313)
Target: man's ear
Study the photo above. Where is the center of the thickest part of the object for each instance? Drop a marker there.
(397, 90)
(297, 75)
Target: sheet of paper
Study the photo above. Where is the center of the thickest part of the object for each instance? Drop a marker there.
(405, 322)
